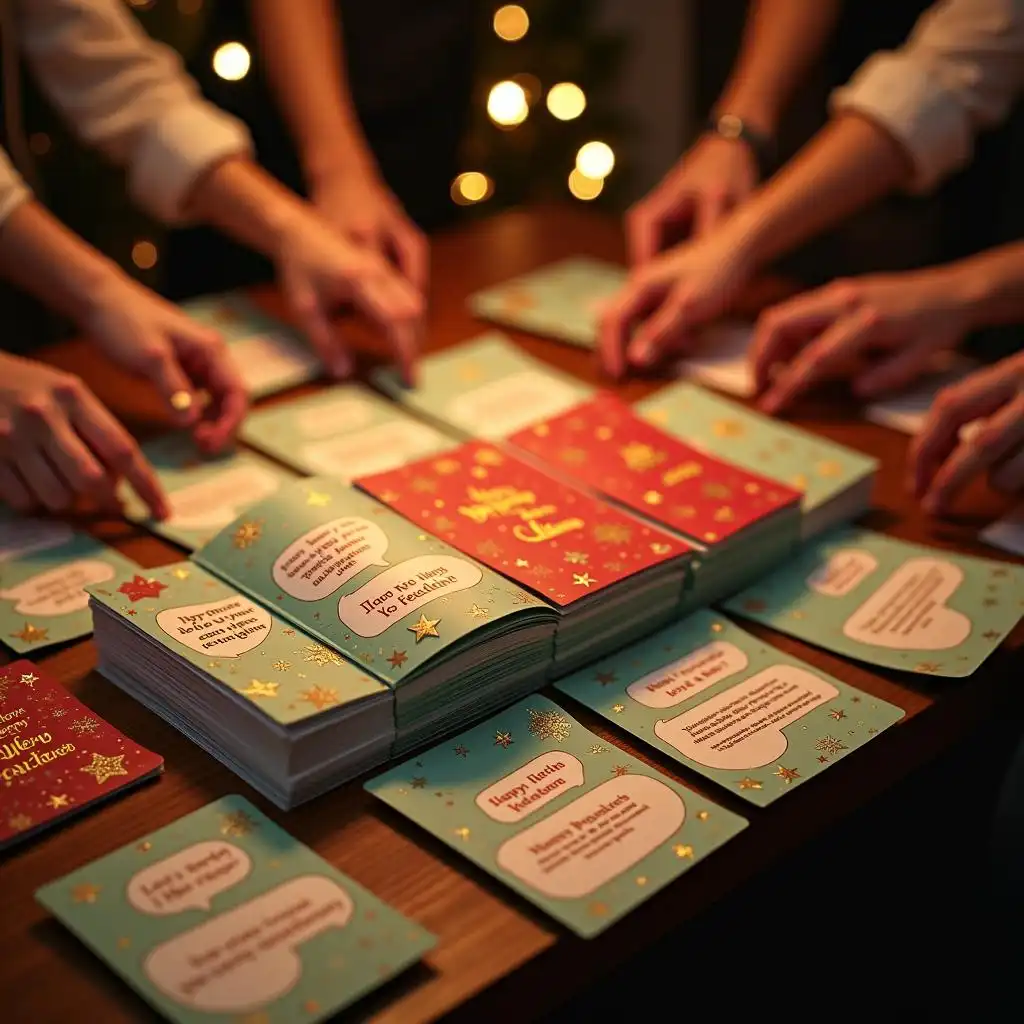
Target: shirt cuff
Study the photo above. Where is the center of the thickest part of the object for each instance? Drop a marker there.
(907, 100)
(175, 152)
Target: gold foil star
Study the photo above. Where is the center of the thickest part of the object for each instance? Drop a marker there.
(424, 485)
(653, 497)
(58, 800)
(84, 726)
(787, 774)
(991, 634)
(597, 748)
(576, 557)
(542, 430)
(85, 893)
(488, 457)
(703, 815)
(320, 655)
(30, 634)
(424, 627)
(418, 782)
(837, 714)
(19, 822)
(258, 688)
(603, 433)
(247, 534)
(583, 579)
(397, 659)
(612, 533)
(683, 851)
(724, 514)
(522, 563)
(549, 725)
(716, 627)
(728, 428)
(237, 823)
(103, 768)
(461, 751)
(597, 909)
(640, 457)
(477, 612)
(503, 739)
(752, 488)
(618, 708)
(320, 697)
(641, 880)
(317, 499)
(658, 548)
(828, 468)
(928, 666)
(710, 535)
(462, 833)
(619, 770)
(29, 679)
(281, 666)
(180, 574)
(748, 783)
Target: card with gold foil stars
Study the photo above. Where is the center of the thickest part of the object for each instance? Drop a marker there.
(205, 492)
(44, 567)
(836, 481)
(550, 537)
(562, 300)
(890, 603)
(570, 822)
(57, 758)
(722, 703)
(484, 388)
(223, 916)
(344, 431)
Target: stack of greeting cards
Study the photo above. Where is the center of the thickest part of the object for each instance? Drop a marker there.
(289, 715)
(611, 577)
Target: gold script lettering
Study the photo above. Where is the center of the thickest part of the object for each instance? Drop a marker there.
(676, 475)
(533, 532)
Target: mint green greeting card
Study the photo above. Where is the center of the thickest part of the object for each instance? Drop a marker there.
(571, 823)
(484, 388)
(562, 300)
(362, 579)
(223, 916)
(890, 603)
(829, 474)
(721, 702)
(346, 431)
(269, 355)
(205, 492)
(44, 567)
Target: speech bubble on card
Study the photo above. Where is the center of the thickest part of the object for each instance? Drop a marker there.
(908, 611)
(503, 406)
(325, 558)
(527, 789)
(741, 727)
(595, 838)
(20, 537)
(245, 958)
(404, 589)
(844, 571)
(229, 627)
(188, 879)
(215, 502)
(374, 450)
(338, 417)
(58, 591)
(679, 680)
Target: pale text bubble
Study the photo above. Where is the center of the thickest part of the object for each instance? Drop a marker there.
(20, 537)
(530, 787)
(263, 360)
(188, 879)
(328, 418)
(58, 591)
(681, 679)
(215, 502)
(501, 407)
(227, 628)
(374, 450)
(845, 570)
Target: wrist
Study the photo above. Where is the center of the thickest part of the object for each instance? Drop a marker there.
(344, 160)
(91, 288)
(753, 110)
(972, 294)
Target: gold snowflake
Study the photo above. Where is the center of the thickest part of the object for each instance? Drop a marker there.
(247, 534)
(549, 725)
(829, 745)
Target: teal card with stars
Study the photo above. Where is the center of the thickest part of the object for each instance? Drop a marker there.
(345, 431)
(205, 492)
(571, 823)
(721, 702)
(223, 916)
(485, 388)
(890, 603)
(45, 566)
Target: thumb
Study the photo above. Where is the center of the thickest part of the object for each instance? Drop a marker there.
(897, 371)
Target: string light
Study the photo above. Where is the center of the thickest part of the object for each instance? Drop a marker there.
(566, 101)
(507, 105)
(231, 61)
(471, 187)
(511, 23)
(583, 187)
(595, 160)
(144, 255)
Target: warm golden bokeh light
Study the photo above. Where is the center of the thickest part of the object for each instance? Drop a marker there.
(566, 101)
(506, 104)
(583, 187)
(511, 22)
(144, 255)
(231, 61)
(595, 160)
(471, 187)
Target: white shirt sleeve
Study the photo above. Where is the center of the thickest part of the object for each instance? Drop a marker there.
(13, 190)
(127, 95)
(957, 74)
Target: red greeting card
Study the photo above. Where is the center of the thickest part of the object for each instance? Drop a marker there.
(56, 756)
(549, 537)
(603, 444)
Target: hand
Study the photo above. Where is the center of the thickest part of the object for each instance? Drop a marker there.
(188, 363)
(360, 206)
(59, 445)
(678, 291)
(320, 270)
(882, 330)
(944, 457)
(715, 175)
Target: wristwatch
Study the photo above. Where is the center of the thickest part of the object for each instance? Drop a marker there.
(763, 147)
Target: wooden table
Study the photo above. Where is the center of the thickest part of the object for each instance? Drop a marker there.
(496, 957)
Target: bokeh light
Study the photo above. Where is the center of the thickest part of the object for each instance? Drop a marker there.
(511, 23)
(566, 101)
(507, 105)
(595, 160)
(471, 187)
(531, 85)
(231, 61)
(583, 187)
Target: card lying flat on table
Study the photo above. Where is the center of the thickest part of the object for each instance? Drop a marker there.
(57, 758)
(890, 603)
(906, 411)
(719, 701)
(44, 566)
(1007, 533)
(574, 825)
(484, 388)
(344, 431)
(223, 916)
(205, 492)
(721, 360)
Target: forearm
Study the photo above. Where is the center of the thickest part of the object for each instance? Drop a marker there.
(781, 42)
(300, 44)
(989, 287)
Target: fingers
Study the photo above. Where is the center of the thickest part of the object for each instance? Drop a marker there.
(662, 331)
(307, 309)
(640, 294)
(412, 253)
(395, 305)
(41, 479)
(647, 220)
(711, 206)
(13, 490)
(896, 371)
(1008, 475)
(158, 362)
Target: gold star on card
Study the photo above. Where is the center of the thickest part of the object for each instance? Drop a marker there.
(103, 768)
(522, 563)
(320, 655)
(29, 679)
(180, 574)
(603, 433)
(653, 497)
(58, 800)
(461, 751)
(503, 739)
(423, 485)
(703, 815)
(281, 665)
(247, 534)
(716, 627)
(488, 457)
(749, 783)
(991, 634)
(419, 782)
(237, 824)
(30, 634)
(828, 468)
(787, 774)
(488, 549)
(542, 430)
(597, 909)
(84, 726)
(549, 725)
(320, 697)
(752, 488)
(85, 893)
(477, 612)
(641, 880)
(446, 466)
(728, 428)
(618, 708)
(462, 833)
(838, 714)
(928, 667)
(583, 579)
(641, 457)
(612, 533)
(683, 851)
(724, 514)
(19, 822)
(576, 557)
(258, 688)
(619, 770)
(605, 678)
(658, 548)
(424, 627)
(397, 659)
(317, 499)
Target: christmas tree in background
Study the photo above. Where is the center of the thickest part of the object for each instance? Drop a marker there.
(544, 125)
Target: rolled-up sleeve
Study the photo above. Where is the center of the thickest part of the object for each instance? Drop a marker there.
(129, 96)
(13, 190)
(958, 74)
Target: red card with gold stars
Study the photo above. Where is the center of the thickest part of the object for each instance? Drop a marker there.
(56, 756)
(549, 537)
(603, 444)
